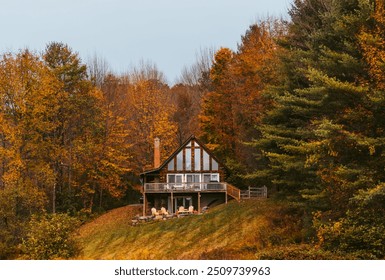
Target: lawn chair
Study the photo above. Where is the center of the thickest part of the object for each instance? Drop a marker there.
(165, 213)
(155, 214)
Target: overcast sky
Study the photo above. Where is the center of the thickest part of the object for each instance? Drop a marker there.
(123, 32)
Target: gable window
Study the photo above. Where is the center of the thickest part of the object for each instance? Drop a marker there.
(214, 164)
(170, 166)
(179, 161)
(206, 161)
(197, 159)
(188, 158)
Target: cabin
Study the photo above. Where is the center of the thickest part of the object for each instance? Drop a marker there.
(191, 176)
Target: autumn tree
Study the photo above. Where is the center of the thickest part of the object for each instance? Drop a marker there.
(197, 75)
(233, 109)
(216, 118)
(372, 43)
(91, 135)
(141, 106)
(114, 157)
(355, 180)
(322, 138)
(150, 116)
(28, 110)
(187, 103)
(98, 70)
(194, 82)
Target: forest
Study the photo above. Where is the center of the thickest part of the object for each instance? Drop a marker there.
(299, 107)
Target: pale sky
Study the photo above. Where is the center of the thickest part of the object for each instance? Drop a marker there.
(168, 33)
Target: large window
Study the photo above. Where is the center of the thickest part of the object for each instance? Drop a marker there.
(193, 158)
(179, 161)
(171, 165)
(214, 164)
(188, 158)
(197, 159)
(206, 161)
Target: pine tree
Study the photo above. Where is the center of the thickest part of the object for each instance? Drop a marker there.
(324, 88)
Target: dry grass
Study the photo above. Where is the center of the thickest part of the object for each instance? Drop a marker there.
(232, 231)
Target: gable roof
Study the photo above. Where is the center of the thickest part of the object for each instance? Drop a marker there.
(181, 147)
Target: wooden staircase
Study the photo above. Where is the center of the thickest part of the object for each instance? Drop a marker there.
(234, 192)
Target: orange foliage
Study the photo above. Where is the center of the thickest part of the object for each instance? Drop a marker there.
(373, 45)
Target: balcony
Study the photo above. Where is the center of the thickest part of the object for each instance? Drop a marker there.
(185, 187)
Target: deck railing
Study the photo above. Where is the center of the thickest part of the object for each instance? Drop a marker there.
(184, 187)
(234, 192)
(254, 192)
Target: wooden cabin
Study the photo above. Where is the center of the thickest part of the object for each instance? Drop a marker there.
(191, 176)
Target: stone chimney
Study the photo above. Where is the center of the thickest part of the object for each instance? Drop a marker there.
(156, 152)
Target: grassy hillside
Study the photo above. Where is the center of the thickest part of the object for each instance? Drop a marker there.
(233, 231)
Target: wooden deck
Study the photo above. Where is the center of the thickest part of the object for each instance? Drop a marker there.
(184, 187)
(175, 189)
(192, 187)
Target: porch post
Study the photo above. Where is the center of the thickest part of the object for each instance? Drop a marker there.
(199, 202)
(172, 202)
(226, 196)
(144, 203)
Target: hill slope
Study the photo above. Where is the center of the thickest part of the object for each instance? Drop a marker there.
(232, 231)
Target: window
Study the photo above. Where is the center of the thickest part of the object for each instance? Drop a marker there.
(193, 178)
(206, 178)
(197, 159)
(176, 179)
(170, 178)
(171, 165)
(179, 161)
(214, 178)
(211, 177)
(188, 158)
(214, 164)
(206, 161)
(179, 178)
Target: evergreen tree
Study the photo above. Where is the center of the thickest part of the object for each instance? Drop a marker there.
(322, 100)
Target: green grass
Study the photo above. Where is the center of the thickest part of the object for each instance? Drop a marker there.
(232, 231)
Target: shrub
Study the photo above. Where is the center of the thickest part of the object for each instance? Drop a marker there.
(361, 232)
(299, 252)
(51, 237)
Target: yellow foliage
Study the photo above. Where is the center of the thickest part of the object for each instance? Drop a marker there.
(373, 45)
